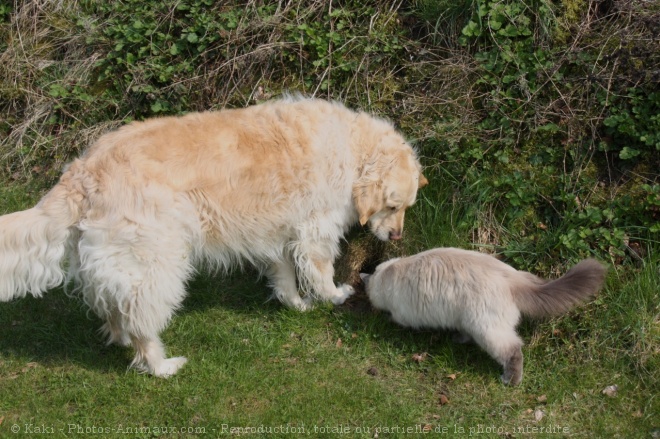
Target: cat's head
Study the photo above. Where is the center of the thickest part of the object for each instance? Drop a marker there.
(367, 279)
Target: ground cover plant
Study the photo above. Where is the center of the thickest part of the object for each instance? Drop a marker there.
(538, 125)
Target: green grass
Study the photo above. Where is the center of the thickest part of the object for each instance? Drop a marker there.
(253, 363)
(504, 166)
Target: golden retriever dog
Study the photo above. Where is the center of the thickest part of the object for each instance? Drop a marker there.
(276, 185)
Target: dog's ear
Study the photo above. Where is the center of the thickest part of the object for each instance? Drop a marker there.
(368, 199)
(422, 181)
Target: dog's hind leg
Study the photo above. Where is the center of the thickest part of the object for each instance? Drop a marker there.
(114, 331)
(155, 298)
(134, 277)
(150, 357)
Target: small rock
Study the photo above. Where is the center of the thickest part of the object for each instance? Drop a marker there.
(418, 358)
(610, 391)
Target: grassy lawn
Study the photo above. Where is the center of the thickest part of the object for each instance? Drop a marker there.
(259, 369)
(537, 122)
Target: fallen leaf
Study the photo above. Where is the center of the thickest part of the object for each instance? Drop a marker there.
(418, 358)
(538, 415)
(542, 398)
(2, 418)
(452, 376)
(372, 371)
(427, 428)
(339, 343)
(443, 399)
(29, 366)
(637, 414)
(610, 391)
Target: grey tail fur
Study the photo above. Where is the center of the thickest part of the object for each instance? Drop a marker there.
(539, 298)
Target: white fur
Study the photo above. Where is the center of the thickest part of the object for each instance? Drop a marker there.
(477, 295)
(452, 289)
(276, 185)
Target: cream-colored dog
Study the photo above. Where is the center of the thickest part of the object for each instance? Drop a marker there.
(276, 185)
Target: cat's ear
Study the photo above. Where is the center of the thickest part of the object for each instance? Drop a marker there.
(365, 277)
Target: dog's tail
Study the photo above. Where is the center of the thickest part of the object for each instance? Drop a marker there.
(539, 298)
(33, 243)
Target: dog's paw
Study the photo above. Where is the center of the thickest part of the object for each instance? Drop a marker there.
(344, 292)
(306, 303)
(169, 367)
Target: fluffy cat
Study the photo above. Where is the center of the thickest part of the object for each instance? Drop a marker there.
(478, 295)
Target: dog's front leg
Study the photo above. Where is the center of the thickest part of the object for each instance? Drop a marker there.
(282, 277)
(321, 273)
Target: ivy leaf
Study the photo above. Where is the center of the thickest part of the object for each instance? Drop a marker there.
(628, 153)
(472, 29)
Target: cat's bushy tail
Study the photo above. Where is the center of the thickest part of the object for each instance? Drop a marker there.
(539, 298)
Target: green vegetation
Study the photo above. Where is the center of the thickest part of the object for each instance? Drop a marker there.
(538, 123)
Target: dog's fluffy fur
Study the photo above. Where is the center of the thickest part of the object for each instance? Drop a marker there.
(276, 185)
(478, 295)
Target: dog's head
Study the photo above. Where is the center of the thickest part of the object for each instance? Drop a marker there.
(386, 187)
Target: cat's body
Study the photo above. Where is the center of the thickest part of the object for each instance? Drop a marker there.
(478, 295)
